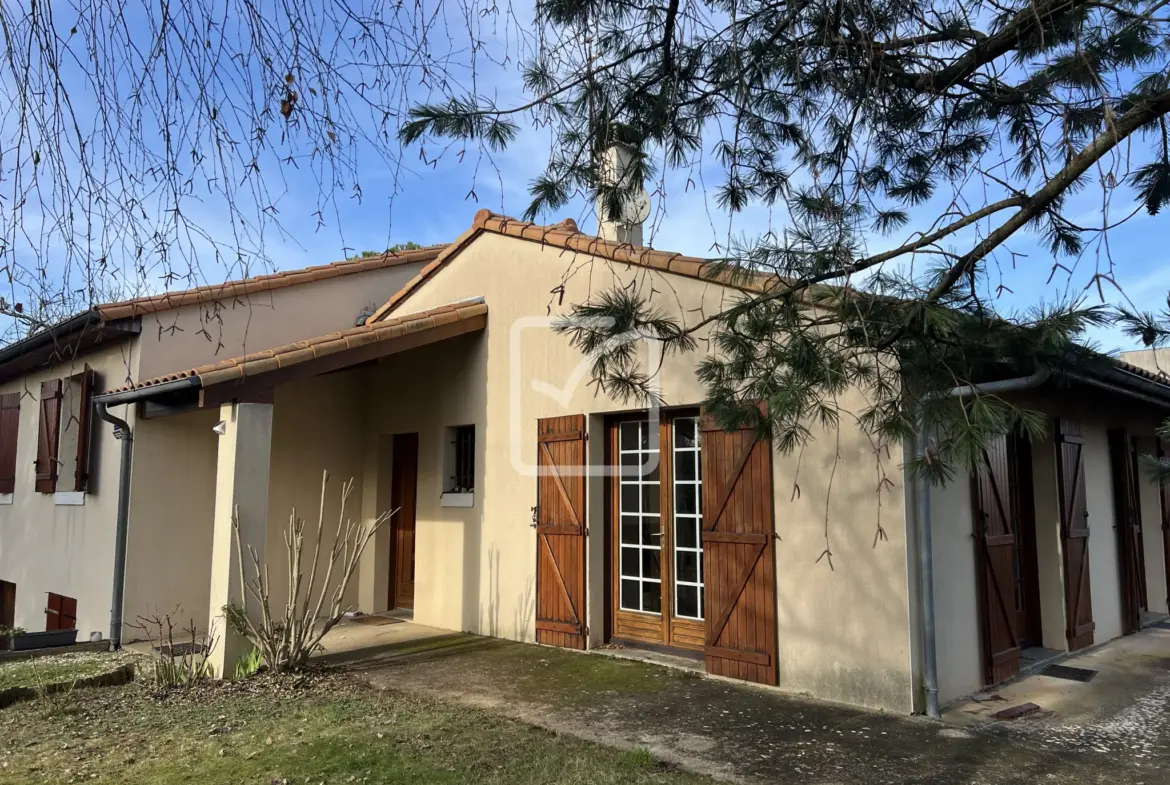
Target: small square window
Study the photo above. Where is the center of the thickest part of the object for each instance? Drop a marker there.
(460, 460)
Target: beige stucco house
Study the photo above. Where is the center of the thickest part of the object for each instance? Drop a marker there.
(532, 507)
(60, 465)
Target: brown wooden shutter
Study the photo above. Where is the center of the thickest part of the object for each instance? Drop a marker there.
(68, 618)
(9, 430)
(560, 532)
(84, 415)
(7, 604)
(1164, 496)
(995, 533)
(52, 612)
(47, 438)
(738, 554)
(1074, 533)
(1128, 523)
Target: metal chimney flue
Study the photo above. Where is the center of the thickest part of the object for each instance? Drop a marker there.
(616, 170)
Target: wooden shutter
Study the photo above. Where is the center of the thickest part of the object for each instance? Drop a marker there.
(50, 426)
(7, 604)
(1164, 496)
(84, 416)
(68, 617)
(996, 519)
(738, 554)
(60, 612)
(9, 429)
(1074, 533)
(52, 612)
(559, 519)
(1128, 523)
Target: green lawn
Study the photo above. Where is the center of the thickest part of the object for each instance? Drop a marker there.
(323, 730)
(57, 668)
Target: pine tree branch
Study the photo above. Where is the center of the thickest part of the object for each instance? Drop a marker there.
(1126, 125)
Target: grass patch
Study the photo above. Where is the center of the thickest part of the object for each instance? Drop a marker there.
(565, 678)
(274, 730)
(39, 671)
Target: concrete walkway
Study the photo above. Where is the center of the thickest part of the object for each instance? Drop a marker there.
(733, 731)
(1124, 710)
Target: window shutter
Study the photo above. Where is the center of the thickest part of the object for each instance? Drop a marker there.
(7, 604)
(52, 612)
(1074, 533)
(996, 523)
(50, 426)
(738, 556)
(559, 519)
(9, 426)
(84, 416)
(68, 618)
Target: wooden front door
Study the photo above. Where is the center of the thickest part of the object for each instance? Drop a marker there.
(1001, 607)
(559, 520)
(656, 549)
(1128, 523)
(1074, 533)
(403, 494)
(738, 550)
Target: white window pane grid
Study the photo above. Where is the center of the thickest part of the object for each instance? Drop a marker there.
(639, 561)
(689, 599)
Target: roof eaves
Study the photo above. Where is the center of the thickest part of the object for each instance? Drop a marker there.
(262, 283)
(256, 363)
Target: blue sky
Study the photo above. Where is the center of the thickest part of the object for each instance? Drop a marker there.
(430, 200)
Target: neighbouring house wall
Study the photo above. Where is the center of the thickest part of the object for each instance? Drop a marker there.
(1156, 360)
(50, 547)
(172, 501)
(843, 632)
(317, 426)
(194, 335)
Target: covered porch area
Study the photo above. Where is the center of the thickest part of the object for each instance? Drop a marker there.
(251, 437)
(1055, 544)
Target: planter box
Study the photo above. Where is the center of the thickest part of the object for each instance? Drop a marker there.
(43, 640)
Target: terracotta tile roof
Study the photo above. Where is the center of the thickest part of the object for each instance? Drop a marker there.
(302, 351)
(564, 235)
(1154, 376)
(261, 283)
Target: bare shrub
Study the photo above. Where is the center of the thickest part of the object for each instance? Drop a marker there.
(286, 637)
(181, 654)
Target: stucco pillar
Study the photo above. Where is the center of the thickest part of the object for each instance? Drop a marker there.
(241, 484)
(373, 576)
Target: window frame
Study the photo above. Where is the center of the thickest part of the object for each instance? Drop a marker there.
(664, 628)
(52, 423)
(463, 459)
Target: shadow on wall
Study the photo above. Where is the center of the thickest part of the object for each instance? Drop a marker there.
(524, 608)
(843, 613)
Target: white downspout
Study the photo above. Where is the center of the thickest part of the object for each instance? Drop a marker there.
(923, 524)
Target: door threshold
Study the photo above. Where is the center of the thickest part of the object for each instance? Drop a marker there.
(406, 614)
(1035, 658)
(680, 659)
